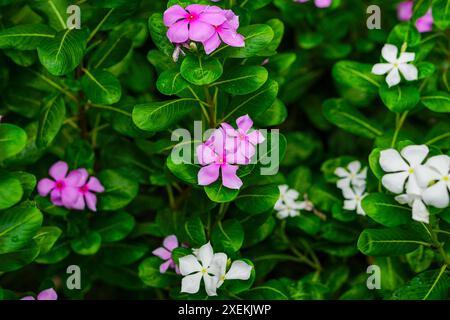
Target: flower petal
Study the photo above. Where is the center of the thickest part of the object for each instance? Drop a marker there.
(232, 38)
(395, 182)
(393, 78)
(409, 71)
(55, 197)
(420, 212)
(205, 255)
(95, 185)
(390, 53)
(212, 43)
(189, 264)
(256, 137)
(382, 68)
(209, 174)
(239, 270)
(437, 195)
(341, 172)
(173, 14)
(45, 186)
(171, 242)
(49, 294)
(163, 253)
(79, 204)
(425, 175)
(74, 178)
(322, 3)
(441, 163)
(210, 284)
(69, 195)
(178, 32)
(191, 284)
(58, 171)
(406, 57)
(230, 178)
(200, 31)
(391, 161)
(91, 201)
(415, 154)
(244, 123)
(164, 266)
(350, 205)
(205, 154)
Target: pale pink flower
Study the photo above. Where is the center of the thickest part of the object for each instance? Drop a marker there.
(49, 294)
(165, 253)
(318, 3)
(87, 191)
(405, 13)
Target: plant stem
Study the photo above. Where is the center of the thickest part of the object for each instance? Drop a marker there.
(398, 126)
(172, 203)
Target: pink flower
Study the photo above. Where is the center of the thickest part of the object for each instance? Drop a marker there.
(165, 253)
(405, 13)
(64, 188)
(215, 158)
(86, 191)
(49, 294)
(193, 23)
(241, 141)
(318, 3)
(227, 32)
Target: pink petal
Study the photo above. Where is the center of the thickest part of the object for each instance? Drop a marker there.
(173, 14)
(45, 186)
(256, 137)
(405, 10)
(163, 253)
(232, 38)
(232, 19)
(205, 154)
(212, 43)
(49, 294)
(55, 197)
(247, 150)
(178, 32)
(74, 178)
(200, 31)
(171, 242)
(28, 298)
(229, 177)
(95, 185)
(163, 267)
(213, 15)
(208, 174)
(58, 171)
(425, 23)
(83, 177)
(196, 8)
(69, 196)
(79, 204)
(323, 3)
(91, 201)
(244, 123)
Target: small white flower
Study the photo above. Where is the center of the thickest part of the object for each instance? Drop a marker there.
(394, 65)
(352, 177)
(287, 196)
(419, 210)
(353, 198)
(436, 172)
(194, 268)
(400, 170)
(176, 53)
(287, 205)
(239, 269)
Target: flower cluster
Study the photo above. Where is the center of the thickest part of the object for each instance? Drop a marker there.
(73, 190)
(418, 184)
(405, 13)
(288, 204)
(165, 253)
(396, 65)
(212, 268)
(318, 3)
(49, 294)
(209, 25)
(225, 150)
(352, 182)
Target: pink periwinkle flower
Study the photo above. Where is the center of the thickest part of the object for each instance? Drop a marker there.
(87, 192)
(318, 3)
(405, 13)
(165, 253)
(49, 294)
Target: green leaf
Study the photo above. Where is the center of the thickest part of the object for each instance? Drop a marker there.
(374, 163)
(101, 87)
(158, 116)
(12, 140)
(120, 189)
(18, 226)
(385, 210)
(228, 236)
(27, 180)
(258, 199)
(88, 244)
(404, 32)
(25, 37)
(438, 101)
(112, 52)
(46, 238)
(158, 33)
(429, 285)
(420, 259)
(114, 227)
(11, 190)
(274, 116)
(51, 120)
(218, 193)
(200, 71)
(441, 13)
(195, 231)
(389, 242)
(152, 277)
(171, 82)
(63, 53)
(243, 79)
(346, 117)
(17, 259)
(122, 254)
(400, 98)
(186, 172)
(307, 222)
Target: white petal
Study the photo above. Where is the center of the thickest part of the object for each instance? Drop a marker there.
(348, 193)
(350, 205)
(412, 186)
(292, 194)
(359, 182)
(283, 188)
(393, 77)
(293, 213)
(239, 270)
(354, 166)
(299, 205)
(389, 53)
(279, 205)
(415, 154)
(425, 175)
(437, 195)
(210, 284)
(341, 172)
(406, 57)
(189, 264)
(219, 264)
(362, 174)
(420, 212)
(359, 190)
(283, 214)
(343, 183)
(406, 199)
(395, 182)
(441, 163)
(359, 209)
(382, 68)
(409, 71)
(205, 255)
(191, 284)
(391, 161)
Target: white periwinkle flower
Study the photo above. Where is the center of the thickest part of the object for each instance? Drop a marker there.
(354, 176)
(419, 209)
(435, 177)
(239, 270)
(288, 206)
(353, 197)
(402, 167)
(396, 65)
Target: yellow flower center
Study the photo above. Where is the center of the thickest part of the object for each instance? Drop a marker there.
(411, 170)
(446, 178)
(204, 270)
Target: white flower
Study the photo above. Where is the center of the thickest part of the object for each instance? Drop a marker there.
(436, 172)
(239, 269)
(419, 210)
(401, 170)
(287, 196)
(194, 268)
(394, 65)
(352, 177)
(288, 206)
(353, 198)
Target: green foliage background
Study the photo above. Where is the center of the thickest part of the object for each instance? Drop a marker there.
(106, 97)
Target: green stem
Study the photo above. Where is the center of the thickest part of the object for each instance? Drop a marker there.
(171, 197)
(399, 124)
(94, 32)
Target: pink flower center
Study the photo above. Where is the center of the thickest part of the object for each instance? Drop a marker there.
(191, 17)
(242, 136)
(221, 160)
(84, 189)
(60, 185)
